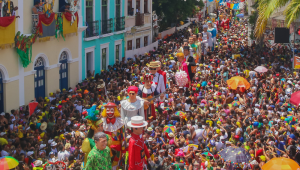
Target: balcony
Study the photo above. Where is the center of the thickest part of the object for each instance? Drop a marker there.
(139, 19)
(106, 26)
(92, 29)
(119, 23)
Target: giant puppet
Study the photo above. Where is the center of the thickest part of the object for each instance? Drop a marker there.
(133, 106)
(137, 148)
(147, 91)
(113, 125)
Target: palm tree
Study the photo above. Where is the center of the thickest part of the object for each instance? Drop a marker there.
(266, 9)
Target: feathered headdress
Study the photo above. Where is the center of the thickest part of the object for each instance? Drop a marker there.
(92, 120)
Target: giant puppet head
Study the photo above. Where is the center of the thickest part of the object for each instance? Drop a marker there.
(111, 118)
(110, 112)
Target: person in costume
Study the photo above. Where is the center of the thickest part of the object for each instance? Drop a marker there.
(190, 62)
(113, 125)
(96, 125)
(146, 90)
(8, 8)
(206, 40)
(161, 72)
(48, 8)
(183, 66)
(213, 32)
(134, 106)
(157, 78)
(99, 156)
(137, 148)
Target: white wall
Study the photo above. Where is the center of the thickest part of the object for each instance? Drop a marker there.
(140, 51)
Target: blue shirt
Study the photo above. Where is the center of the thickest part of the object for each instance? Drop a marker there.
(280, 145)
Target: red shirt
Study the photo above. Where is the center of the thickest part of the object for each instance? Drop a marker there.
(137, 150)
(164, 75)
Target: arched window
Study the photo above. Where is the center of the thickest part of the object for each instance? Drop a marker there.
(39, 78)
(63, 71)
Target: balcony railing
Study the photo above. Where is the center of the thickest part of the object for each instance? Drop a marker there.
(119, 23)
(107, 26)
(35, 22)
(92, 29)
(139, 19)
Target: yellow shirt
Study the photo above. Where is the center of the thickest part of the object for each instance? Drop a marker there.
(246, 72)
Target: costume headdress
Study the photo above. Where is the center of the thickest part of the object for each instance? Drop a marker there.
(148, 76)
(93, 121)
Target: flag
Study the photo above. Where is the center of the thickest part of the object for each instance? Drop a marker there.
(236, 6)
(7, 30)
(32, 107)
(228, 5)
(67, 27)
(231, 6)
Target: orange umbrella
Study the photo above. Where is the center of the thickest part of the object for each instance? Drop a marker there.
(238, 81)
(281, 164)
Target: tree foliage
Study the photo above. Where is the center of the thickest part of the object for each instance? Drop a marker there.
(174, 11)
(266, 9)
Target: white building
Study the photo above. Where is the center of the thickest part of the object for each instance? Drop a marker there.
(138, 24)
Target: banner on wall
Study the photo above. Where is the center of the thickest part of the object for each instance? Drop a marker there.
(7, 30)
(67, 27)
(296, 62)
(47, 25)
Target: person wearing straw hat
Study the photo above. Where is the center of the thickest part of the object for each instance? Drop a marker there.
(137, 148)
(158, 79)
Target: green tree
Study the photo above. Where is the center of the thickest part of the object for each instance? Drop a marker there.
(266, 9)
(174, 11)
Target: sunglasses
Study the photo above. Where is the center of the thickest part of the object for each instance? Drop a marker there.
(152, 68)
(131, 93)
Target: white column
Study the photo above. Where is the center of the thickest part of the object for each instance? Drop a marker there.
(134, 6)
(142, 6)
(20, 12)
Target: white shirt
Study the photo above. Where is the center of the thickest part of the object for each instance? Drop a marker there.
(207, 38)
(198, 134)
(160, 83)
(4, 153)
(79, 108)
(219, 146)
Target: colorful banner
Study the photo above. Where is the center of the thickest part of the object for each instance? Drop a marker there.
(45, 22)
(235, 6)
(67, 27)
(296, 62)
(7, 30)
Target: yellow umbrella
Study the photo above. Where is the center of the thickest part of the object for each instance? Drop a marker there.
(280, 164)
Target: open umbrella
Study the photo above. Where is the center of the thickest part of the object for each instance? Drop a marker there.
(280, 163)
(261, 69)
(236, 103)
(207, 154)
(8, 162)
(240, 15)
(181, 114)
(235, 154)
(169, 129)
(195, 147)
(238, 81)
(295, 98)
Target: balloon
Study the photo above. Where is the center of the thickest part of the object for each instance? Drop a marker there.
(181, 78)
(255, 124)
(204, 83)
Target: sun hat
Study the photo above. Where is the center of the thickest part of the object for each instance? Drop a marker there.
(137, 121)
(42, 146)
(43, 126)
(153, 64)
(171, 135)
(149, 129)
(53, 144)
(38, 163)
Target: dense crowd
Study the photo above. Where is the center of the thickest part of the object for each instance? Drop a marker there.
(254, 118)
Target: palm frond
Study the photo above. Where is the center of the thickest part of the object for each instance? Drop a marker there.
(265, 10)
(292, 12)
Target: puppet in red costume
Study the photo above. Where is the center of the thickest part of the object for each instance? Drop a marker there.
(137, 148)
(113, 126)
(147, 90)
(162, 73)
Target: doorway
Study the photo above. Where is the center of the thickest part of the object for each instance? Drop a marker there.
(89, 63)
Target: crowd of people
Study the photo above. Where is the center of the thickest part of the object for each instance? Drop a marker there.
(212, 116)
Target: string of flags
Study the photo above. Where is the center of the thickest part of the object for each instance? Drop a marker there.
(235, 6)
